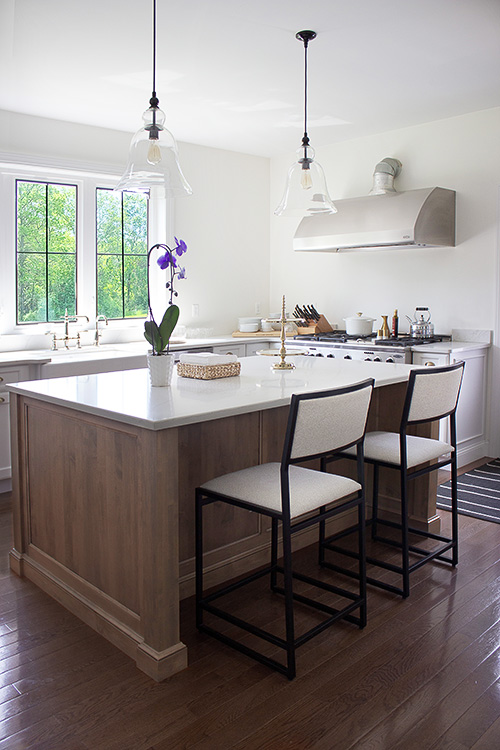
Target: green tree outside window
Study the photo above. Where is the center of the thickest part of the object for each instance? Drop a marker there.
(122, 248)
(46, 251)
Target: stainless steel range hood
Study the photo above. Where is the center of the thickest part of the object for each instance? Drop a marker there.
(413, 218)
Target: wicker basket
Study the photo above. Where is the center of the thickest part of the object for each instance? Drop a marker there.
(208, 372)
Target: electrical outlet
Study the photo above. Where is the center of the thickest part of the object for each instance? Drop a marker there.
(196, 311)
(257, 308)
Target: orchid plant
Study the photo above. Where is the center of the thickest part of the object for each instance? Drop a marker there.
(159, 335)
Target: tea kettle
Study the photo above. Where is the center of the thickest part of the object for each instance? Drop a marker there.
(421, 327)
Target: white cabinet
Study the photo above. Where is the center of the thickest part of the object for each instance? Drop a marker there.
(471, 412)
(237, 349)
(472, 441)
(240, 349)
(255, 347)
(9, 374)
(431, 360)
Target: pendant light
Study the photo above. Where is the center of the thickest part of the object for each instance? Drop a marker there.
(153, 157)
(306, 192)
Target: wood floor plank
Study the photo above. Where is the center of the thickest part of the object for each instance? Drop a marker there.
(475, 721)
(423, 673)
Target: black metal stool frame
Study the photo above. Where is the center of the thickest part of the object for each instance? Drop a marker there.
(204, 602)
(447, 543)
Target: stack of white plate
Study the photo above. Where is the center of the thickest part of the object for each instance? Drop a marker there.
(248, 325)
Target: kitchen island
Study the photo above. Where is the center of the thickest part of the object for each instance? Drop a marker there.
(104, 471)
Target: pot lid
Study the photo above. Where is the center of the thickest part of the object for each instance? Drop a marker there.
(359, 316)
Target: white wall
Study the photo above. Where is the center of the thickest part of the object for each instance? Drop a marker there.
(225, 222)
(459, 285)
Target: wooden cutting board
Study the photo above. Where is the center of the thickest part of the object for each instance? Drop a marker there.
(257, 334)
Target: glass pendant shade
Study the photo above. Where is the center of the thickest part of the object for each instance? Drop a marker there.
(154, 159)
(306, 192)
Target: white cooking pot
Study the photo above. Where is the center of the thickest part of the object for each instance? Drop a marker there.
(359, 325)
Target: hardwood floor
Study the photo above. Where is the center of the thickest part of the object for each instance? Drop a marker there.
(424, 673)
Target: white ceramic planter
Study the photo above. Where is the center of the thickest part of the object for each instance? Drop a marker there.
(161, 368)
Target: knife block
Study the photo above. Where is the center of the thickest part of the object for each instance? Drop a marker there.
(315, 326)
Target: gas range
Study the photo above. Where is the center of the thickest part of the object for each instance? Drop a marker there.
(339, 345)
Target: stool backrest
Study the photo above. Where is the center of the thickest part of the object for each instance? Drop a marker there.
(323, 422)
(432, 393)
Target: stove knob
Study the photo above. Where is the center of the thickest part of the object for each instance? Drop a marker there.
(331, 356)
(389, 359)
(319, 354)
(347, 356)
(368, 359)
(377, 359)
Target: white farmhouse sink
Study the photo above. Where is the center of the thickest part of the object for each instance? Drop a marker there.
(95, 352)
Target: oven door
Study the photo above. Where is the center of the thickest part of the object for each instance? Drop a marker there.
(346, 351)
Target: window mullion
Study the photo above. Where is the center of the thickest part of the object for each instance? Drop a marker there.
(46, 252)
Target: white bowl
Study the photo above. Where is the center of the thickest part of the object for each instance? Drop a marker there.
(249, 327)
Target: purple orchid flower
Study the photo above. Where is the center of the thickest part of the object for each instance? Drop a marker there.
(181, 273)
(180, 247)
(164, 261)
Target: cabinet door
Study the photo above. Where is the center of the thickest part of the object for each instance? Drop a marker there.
(471, 404)
(252, 349)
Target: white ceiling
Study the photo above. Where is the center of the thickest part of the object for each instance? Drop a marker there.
(230, 72)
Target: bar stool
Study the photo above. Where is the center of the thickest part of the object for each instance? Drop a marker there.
(432, 394)
(319, 424)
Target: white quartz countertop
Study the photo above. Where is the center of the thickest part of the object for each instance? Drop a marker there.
(446, 347)
(128, 396)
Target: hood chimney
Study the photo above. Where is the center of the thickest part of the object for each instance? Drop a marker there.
(384, 175)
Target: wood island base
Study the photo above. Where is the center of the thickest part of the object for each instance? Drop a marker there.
(104, 514)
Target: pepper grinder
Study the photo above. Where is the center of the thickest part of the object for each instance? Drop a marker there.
(385, 327)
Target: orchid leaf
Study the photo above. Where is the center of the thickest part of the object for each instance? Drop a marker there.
(152, 335)
(168, 323)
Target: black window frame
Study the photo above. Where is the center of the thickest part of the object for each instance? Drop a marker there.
(47, 253)
(122, 255)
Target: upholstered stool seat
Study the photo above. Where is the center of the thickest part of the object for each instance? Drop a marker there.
(319, 425)
(261, 486)
(384, 447)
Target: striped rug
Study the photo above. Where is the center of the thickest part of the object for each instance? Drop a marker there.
(478, 493)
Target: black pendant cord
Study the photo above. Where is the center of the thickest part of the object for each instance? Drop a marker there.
(154, 101)
(305, 37)
(305, 139)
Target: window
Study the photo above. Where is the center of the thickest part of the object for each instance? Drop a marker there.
(76, 245)
(46, 250)
(122, 247)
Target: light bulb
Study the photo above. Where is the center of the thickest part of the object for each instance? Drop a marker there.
(154, 153)
(306, 179)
